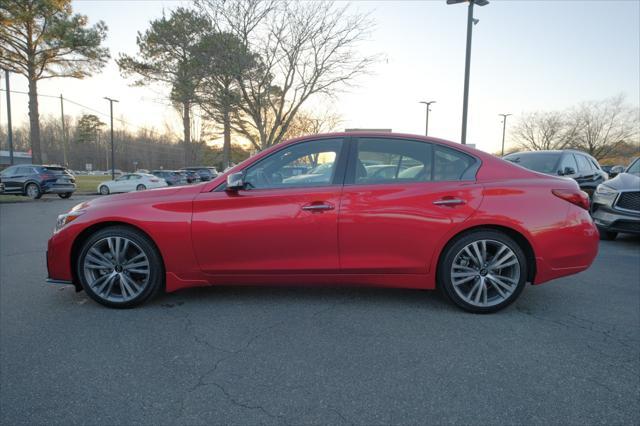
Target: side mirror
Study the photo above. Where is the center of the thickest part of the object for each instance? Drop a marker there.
(567, 171)
(615, 171)
(235, 181)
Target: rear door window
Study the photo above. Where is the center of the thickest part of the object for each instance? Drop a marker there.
(380, 160)
(449, 164)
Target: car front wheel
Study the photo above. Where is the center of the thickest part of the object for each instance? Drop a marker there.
(104, 190)
(33, 191)
(120, 267)
(483, 271)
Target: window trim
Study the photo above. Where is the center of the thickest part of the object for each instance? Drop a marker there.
(469, 174)
(338, 176)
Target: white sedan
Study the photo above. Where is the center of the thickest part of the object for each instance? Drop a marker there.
(131, 182)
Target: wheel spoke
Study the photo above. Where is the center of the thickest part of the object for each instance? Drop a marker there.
(500, 263)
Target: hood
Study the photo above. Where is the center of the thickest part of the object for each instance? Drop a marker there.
(624, 181)
(140, 196)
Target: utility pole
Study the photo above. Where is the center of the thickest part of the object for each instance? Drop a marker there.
(504, 128)
(9, 128)
(64, 133)
(113, 168)
(467, 65)
(428, 104)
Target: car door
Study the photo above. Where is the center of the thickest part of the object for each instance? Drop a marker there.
(7, 177)
(392, 224)
(276, 225)
(120, 184)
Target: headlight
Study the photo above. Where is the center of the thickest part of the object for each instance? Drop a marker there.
(63, 219)
(605, 194)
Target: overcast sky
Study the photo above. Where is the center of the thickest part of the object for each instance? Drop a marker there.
(527, 55)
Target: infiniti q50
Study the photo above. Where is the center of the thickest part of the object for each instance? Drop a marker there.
(442, 215)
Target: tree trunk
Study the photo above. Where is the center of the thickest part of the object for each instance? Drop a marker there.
(186, 124)
(226, 146)
(34, 121)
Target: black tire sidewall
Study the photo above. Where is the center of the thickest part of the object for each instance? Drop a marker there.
(65, 195)
(444, 268)
(26, 190)
(140, 187)
(156, 269)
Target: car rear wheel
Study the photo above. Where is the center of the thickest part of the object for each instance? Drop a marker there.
(120, 267)
(483, 271)
(33, 191)
(104, 190)
(140, 187)
(65, 195)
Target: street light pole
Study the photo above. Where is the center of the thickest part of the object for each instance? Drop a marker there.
(113, 168)
(467, 65)
(428, 104)
(504, 128)
(9, 127)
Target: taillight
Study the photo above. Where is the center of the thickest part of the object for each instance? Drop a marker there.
(46, 176)
(577, 197)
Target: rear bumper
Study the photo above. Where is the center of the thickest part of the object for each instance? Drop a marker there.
(573, 251)
(612, 220)
(59, 189)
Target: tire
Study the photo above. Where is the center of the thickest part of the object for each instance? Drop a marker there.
(120, 267)
(607, 235)
(32, 190)
(104, 190)
(482, 288)
(65, 195)
(140, 187)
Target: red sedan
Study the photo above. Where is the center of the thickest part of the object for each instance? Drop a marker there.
(370, 209)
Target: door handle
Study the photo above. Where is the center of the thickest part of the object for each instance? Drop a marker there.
(317, 207)
(449, 202)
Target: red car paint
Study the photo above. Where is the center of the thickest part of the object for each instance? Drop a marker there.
(388, 235)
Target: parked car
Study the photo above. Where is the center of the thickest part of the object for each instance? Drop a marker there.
(477, 227)
(171, 177)
(577, 165)
(36, 180)
(204, 173)
(131, 182)
(616, 203)
(191, 176)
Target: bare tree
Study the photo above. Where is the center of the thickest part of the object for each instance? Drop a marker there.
(307, 123)
(603, 126)
(300, 49)
(539, 131)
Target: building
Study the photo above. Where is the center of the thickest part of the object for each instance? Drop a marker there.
(19, 157)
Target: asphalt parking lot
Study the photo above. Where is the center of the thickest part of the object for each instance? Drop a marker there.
(567, 352)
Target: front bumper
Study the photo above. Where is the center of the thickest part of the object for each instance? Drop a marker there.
(612, 220)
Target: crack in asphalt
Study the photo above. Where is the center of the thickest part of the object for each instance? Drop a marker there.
(202, 382)
(588, 326)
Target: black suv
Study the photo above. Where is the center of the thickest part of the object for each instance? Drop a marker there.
(577, 165)
(34, 181)
(171, 177)
(204, 173)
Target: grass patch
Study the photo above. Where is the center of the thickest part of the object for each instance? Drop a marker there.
(89, 184)
(4, 198)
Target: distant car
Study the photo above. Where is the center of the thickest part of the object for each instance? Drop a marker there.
(131, 182)
(34, 181)
(383, 171)
(616, 203)
(171, 177)
(204, 173)
(577, 165)
(191, 175)
(315, 175)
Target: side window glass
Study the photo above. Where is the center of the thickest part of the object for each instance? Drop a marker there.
(9, 171)
(583, 164)
(314, 163)
(568, 161)
(389, 160)
(449, 164)
(23, 171)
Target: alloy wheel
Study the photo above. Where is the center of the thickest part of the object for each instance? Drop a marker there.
(116, 269)
(485, 273)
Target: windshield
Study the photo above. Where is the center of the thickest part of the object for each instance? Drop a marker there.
(543, 162)
(634, 168)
